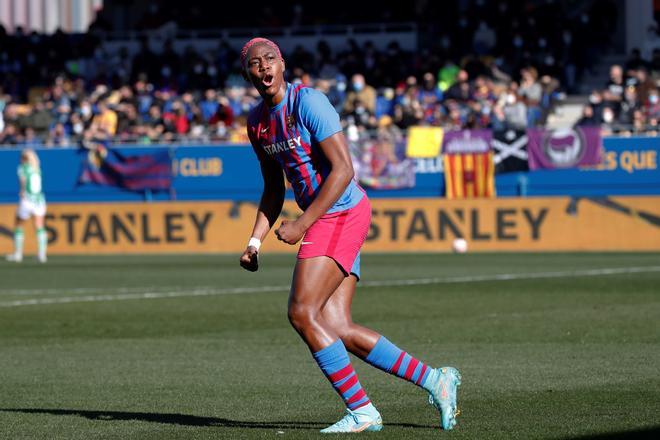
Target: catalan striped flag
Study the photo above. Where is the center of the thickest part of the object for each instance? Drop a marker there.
(469, 175)
(468, 163)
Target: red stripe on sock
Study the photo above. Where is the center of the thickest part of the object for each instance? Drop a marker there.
(348, 384)
(357, 396)
(341, 374)
(411, 368)
(421, 375)
(397, 364)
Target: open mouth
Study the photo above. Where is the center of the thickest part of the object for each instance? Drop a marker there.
(267, 80)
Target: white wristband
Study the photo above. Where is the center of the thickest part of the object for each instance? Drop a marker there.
(254, 242)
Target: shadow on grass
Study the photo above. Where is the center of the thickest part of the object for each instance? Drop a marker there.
(185, 419)
(638, 434)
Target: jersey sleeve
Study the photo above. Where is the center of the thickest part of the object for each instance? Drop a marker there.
(318, 115)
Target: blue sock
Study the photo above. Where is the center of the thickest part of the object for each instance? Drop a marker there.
(390, 358)
(336, 365)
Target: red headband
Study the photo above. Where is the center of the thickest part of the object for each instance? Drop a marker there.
(258, 40)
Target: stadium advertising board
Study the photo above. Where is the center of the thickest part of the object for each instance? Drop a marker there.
(629, 167)
(398, 225)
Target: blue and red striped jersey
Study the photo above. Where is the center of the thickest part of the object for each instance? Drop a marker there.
(290, 133)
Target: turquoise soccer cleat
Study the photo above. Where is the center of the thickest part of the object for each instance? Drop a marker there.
(442, 385)
(363, 419)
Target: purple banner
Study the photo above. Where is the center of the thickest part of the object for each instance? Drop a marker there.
(564, 148)
(466, 141)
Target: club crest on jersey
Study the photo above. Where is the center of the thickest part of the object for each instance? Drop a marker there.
(290, 122)
(285, 145)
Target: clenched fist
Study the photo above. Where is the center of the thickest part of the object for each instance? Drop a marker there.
(250, 259)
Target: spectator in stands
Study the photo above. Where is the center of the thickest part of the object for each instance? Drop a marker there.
(128, 123)
(387, 130)
(613, 93)
(335, 89)
(609, 122)
(653, 104)
(531, 92)
(408, 111)
(58, 136)
(460, 90)
(30, 139)
(104, 123)
(209, 105)
(155, 125)
(588, 118)
(39, 119)
(429, 95)
(447, 75)
(76, 127)
(514, 109)
(471, 91)
(629, 105)
(644, 84)
(223, 113)
(597, 103)
(143, 96)
(360, 92)
(639, 122)
(176, 120)
(10, 135)
(551, 93)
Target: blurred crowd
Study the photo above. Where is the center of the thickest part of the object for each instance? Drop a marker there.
(629, 102)
(494, 65)
(169, 97)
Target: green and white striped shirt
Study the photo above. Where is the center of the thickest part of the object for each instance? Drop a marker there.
(32, 178)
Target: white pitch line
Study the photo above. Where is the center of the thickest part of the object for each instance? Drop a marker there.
(514, 276)
(78, 290)
(144, 295)
(385, 283)
(90, 290)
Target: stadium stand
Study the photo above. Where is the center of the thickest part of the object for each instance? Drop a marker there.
(500, 65)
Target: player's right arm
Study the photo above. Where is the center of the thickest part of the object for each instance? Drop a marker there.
(270, 207)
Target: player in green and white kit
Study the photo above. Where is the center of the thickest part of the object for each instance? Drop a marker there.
(32, 204)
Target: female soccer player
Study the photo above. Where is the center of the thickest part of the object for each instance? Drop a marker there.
(32, 204)
(296, 130)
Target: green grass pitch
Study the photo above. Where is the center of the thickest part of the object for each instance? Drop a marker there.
(192, 347)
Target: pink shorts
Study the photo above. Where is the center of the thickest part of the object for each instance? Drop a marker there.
(340, 236)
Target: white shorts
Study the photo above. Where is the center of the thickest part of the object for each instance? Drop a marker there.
(27, 208)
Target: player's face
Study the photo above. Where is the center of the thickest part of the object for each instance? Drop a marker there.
(265, 70)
